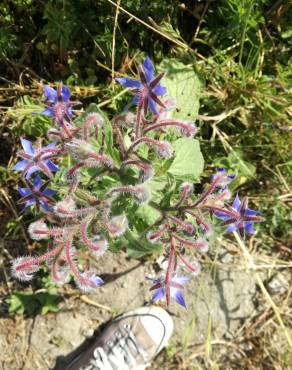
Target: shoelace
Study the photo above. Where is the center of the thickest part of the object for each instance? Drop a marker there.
(121, 353)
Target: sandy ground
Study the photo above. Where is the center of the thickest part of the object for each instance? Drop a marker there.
(221, 299)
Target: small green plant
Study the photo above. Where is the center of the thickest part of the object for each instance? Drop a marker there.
(30, 303)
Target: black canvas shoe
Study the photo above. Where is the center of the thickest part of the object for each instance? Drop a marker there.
(130, 342)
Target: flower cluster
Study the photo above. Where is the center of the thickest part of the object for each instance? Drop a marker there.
(79, 216)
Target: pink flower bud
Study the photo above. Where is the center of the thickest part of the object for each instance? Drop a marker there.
(88, 281)
(60, 271)
(65, 207)
(79, 149)
(117, 225)
(22, 271)
(188, 129)
(186, 188)
(203, 245)
(141, 193)
(94, 119)
(100, 244)
(164, 149)
(38, 230)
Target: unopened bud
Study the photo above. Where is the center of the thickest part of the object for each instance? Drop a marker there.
(64, 207)
(164, 149)
(94, 119)
(79, 149)
(117, 225)
(38, 230)
(23, 269)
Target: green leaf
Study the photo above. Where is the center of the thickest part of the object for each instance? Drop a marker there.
(147, 214)
(188, 163)
(139, 246)
(156, 186)
(30, 303)
(183, 85)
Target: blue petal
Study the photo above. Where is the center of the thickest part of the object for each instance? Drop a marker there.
(27, 146)
(159, 90)
(250, 212)
(24, 191)
(29, 203)
(52, 166)
(96, 280)
(20, 166)
(136, 100)
(66, 93)
(37, 182)
(32, 170)
(158, 294)
(44, 205)
(129, 82)
(49, 192)
(231, 228)
(236, 203)
(178, 296)
(152, 106)
(222, 216)
(47, 112)
(148, 69)
(181, 279)
(69, 112)
(51, 145)
(249, 227)
(50, 93)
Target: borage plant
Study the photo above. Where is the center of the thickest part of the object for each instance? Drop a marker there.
(129, 181)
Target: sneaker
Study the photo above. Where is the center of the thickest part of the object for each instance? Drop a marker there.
(130, 342)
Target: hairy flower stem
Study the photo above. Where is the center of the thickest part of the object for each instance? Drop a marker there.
(199, 219)
(166, 123)
(143, 139)
(184, 225)
(85, 238)
(235, 215)
(188, 242)
(209, 191)
(169, 269)
(55, 232)
(78, 213)
(70, 260)
(120, 139)
(183, 197)
(75, 168)
(47, 153)
(43, 257)
(187, 264)
(137, 125)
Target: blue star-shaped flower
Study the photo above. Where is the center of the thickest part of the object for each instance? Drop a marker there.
(173, 289)
(245, 220)
(36, 193)
(36, 159)
(147, 89)
(58, 102)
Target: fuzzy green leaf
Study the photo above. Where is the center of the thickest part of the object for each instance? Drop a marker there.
(188, 163)
(183, 85)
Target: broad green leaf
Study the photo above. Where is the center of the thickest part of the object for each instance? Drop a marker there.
(148, 214)
(183, 85)
(156, 186)
(188, 163)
